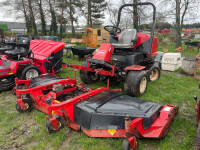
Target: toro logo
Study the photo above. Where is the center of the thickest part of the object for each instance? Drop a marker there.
(101, 52)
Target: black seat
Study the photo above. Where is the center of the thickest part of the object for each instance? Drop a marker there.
(22, 49)
(10, 45)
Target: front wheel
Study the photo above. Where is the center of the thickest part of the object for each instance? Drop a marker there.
(127, 146)
(197, 139)
(88, 77)
(136, 83)
(28, 106)
(49, 126)
(30, 72)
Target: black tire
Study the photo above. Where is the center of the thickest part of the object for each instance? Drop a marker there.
(136, 83)
(89, 56)
(49, 126)
(29, 68)
(154, 73)
(197, 139)
(88, 77)
(28, 103)
(127, 146)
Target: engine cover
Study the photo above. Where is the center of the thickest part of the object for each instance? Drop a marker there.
(104, 52)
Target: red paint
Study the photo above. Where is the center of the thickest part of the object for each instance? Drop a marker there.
(154, 47)
(48, 47)
(135, 67)
(104, 52)
(35, 43)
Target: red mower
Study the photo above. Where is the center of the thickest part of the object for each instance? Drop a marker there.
(97, 112)
(128, 57)
(26, 63)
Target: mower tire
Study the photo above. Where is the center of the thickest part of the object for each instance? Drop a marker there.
(29, 72)
(88, 77)
(126, 144)
(197, 139)
(49, 126)
(136, 83)
(28, 104)
(154, 73)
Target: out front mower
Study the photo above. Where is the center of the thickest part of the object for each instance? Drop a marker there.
(128, 57)
(97, 112)
(26, 63)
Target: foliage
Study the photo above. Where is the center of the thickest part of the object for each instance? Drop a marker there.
(4, 27)
(69, 35)
(160, 26)
(166, 38)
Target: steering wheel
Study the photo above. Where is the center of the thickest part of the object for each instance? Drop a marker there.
(113, 30)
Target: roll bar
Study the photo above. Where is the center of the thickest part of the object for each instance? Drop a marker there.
(146, 3)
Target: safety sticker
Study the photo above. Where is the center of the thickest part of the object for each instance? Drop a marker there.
(100, 52)
(112, 131)
(167, 109)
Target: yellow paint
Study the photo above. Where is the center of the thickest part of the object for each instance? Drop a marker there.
(3, 80)
(112, 131)
(52, 112)
(10, 73)
(56, 101)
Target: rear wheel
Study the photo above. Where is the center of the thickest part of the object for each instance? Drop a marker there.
(29, 72)
(51, 129)
(28, 105)
(136, 83)
(88, 77)
(197, 139)
(154, 73)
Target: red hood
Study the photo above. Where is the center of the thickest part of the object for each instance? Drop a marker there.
(48, 47)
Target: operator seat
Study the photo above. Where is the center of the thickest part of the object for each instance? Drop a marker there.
(22, 49)
(10, 45)
(127, 39)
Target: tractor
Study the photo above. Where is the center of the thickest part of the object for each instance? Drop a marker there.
(129, 56)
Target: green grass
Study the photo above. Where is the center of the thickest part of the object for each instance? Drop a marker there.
(169, 89)
(185, 53)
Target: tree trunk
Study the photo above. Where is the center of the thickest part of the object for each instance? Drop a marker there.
(53, 27)
(135, 16)
(183, 15)
(89, 14)
(26, 17)
(43, 23)
(72, 19)
(61, 28)
(88, 17)
(178, 28)
(32, 18)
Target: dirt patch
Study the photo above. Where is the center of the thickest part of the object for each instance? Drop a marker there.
(175, 73)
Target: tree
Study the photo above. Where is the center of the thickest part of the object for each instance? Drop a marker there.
(43, 22)
(74, 6)
(53, 26)
(95, 12)
(135, 16)
(32, 18)
(178, 27)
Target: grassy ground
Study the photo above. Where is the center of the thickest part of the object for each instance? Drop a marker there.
(185, 53)
(27, 131)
